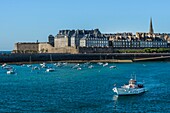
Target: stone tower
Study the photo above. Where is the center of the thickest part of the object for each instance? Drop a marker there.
(151, 31)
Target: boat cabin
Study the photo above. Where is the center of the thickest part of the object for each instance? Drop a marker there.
(131, 81)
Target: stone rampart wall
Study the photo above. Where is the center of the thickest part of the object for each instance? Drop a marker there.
(42, 57)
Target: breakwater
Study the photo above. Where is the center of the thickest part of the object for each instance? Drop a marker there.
(54, 57)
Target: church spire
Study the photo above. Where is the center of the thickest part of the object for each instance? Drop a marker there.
(151, 27)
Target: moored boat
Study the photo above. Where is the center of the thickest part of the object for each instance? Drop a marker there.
(43, 65)
(105, 64)
(133, 88)
(111, 67)
(100, 63)
(10, 72)
(79, 68)
(50, 70)
(4, 65)
(91, 66)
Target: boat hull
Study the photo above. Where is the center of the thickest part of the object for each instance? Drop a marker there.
(128, 91)
(10, 72)
(50, 70)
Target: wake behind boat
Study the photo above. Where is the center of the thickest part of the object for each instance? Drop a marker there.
(133, 88)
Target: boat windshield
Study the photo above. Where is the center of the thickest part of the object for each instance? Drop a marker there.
(131, 81)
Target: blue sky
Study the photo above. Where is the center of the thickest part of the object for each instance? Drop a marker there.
(31, 20)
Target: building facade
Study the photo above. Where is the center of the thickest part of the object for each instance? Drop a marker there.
(26, 47)
(71, 38)
(92, 41)
(41, 47)
(61, 41)
(45, 47)
(139, 44)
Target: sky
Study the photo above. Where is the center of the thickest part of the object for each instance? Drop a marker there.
(32, 20)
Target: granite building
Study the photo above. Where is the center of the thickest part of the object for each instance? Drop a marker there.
(35, 47)
(26, 47)
(71, 38)
(94, 41)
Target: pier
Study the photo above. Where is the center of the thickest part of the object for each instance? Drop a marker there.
(152, 58)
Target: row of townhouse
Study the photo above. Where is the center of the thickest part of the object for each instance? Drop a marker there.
(94, 38)
(140, 44)
(91, 41)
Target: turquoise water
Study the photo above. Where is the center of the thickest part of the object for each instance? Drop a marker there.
(86, 91)
(5, 52)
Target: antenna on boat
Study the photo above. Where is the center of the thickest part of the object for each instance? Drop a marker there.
(131, 76)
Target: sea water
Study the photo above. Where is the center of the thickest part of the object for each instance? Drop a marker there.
(5, 52)
(86, 90)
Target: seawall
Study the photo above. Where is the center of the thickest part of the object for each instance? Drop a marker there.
(112, 57)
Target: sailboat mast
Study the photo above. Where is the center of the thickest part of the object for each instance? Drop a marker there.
(30, 59)
(51, 58)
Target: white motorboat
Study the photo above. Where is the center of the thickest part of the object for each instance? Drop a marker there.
(64, 63)
(100, 63)
(43, 65)
(29, 65)
(111, 67)
(4, 65)
(79, 68)
(105, 64)
(76, 66)
(90, 67)
(133, 88)
(10, 72)
(57, 64)
(50, 70)
(35, 68)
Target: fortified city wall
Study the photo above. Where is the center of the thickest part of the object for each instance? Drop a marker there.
(54, 57)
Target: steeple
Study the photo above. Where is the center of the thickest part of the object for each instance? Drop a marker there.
(151, 27)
